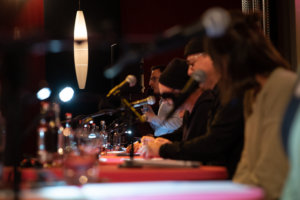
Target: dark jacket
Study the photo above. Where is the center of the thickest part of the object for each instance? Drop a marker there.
(223, 142)
(194, 124)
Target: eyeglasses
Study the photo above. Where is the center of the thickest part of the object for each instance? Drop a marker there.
(153, 78)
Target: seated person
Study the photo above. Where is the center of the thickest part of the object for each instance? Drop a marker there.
(248, 62)
(197, 106)
(222, 143)
(158, 122)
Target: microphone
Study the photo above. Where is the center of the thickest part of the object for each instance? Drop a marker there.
(213, 23)
(150, 100)
(130, 81)
(197, 77)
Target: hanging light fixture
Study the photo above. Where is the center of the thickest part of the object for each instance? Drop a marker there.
(80, 49)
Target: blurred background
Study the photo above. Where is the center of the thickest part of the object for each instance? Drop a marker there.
(108, 22)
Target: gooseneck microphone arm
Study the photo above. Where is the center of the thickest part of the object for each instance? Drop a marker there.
(197, 77)
(149, 100)
(130, 81)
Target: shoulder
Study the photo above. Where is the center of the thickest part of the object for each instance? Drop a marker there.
(276, 93)
(205, 99)
(206, 95)
(204, 103)
(283, 77)
(165, 105)
(281, 82)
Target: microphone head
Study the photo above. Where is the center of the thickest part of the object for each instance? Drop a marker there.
(151, 100)
(215, 21)
(199, 76)
(131, 80)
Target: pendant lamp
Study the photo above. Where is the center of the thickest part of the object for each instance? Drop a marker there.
(80, 49)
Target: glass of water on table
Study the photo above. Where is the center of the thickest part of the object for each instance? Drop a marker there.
(81, 165)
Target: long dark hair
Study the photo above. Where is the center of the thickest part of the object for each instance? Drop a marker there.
(242, 53)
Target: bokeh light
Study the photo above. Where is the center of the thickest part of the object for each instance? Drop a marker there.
(66, 94)
(43, 94)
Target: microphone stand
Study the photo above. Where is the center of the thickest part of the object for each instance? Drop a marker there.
(132, 110)
(131, 150)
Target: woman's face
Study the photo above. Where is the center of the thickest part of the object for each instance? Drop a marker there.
(202, 61)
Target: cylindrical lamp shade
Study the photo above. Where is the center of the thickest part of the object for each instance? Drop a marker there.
(81, 52)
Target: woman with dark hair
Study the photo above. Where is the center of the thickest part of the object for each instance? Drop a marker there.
(250, 65)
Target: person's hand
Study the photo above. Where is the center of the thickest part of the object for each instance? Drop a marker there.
(149, 116)
(149, 109)
(149, 151)
(140, 146)
(146, 139)
(162, 141)
(136, 147)
(181, 113)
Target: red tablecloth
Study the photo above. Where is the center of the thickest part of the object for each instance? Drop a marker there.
(110, 171)
(115, 174)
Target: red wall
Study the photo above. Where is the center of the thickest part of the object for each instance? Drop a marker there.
(31, 18)
(31, 15)
(28, 18)
(147, 17)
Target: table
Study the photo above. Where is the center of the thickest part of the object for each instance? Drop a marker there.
(110, 171)
(113, 173)
(143, 183)
(175, 190)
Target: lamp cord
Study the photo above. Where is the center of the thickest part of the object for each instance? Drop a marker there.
(79, 4)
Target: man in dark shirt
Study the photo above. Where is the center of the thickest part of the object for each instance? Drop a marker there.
(223, 142)
(198, 103)
(196, 106)
(195, 117)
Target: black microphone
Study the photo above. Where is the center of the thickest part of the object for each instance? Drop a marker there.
(130, 81)
(197, 77)
(150, 100)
